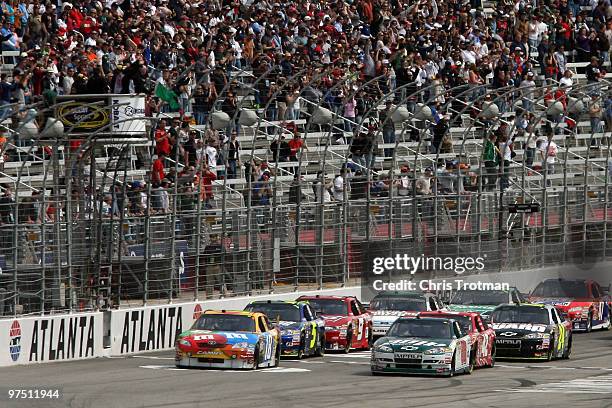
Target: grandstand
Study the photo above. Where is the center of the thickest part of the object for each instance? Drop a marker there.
(75, 241)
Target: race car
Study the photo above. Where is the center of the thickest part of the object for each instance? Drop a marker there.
(302, 332)
(482, 337)
(347, 324)
(583, 301)
(483, 301)
(531, 331)
(229, 339)
(386, 307)
(423, 345)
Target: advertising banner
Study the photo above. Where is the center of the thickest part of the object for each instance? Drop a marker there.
(150, 328)
(51, 338)
(125, 113)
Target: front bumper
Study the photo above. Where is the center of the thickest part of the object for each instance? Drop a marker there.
(182, 360)
(335, 339)
(533, 349)
(380, 330)
(580, 324)
(290, 345)
(426, 365)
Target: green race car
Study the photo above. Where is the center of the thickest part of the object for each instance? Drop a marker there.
(430, 346)
(483, 301)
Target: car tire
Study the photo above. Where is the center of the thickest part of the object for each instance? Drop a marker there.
(321, 346)
(568, 352)
(349, 340)
(551, 350)
(300, 354)
(256, 358)
(452, 370)
(604, 328)
(589, 327)
(370, 339)
(472, 365)
(493, 356)
(277, 355)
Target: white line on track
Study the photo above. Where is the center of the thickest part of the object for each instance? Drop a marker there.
(281, 370)
(350, 362)
(589, 385)
(154, 357)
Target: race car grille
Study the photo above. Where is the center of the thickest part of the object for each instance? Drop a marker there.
(409, 366)
(408, 361)
(211, 360)
(508, 343)
(203, 345)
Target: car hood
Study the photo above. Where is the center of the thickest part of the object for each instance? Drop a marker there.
(335, 320)
(413, 344)
(482, 309)
(510, 330)
(559, 301)
(285, 325)
(219, 338)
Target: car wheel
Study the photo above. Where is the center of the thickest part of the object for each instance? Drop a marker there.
(300, 354)
(452, 370)
(607, 323)
(551, 349)
(568, 352)
(277, 356)
(256, 358)
(472, 365)
(349, 340)
(589, 327)
(321, 346)
(370, 339)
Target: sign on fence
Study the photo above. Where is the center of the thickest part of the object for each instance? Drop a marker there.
(150, 328)
(51, 338)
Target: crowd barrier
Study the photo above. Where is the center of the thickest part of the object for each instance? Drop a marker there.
(153, 328)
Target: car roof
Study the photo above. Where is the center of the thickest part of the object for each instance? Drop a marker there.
(448, 313)
(540, 305)
(567, 280)
(424, 319)
(232, 312)
(277, 302)
(400, 294)
(324, 297)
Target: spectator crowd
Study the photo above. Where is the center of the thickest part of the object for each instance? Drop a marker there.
(190, 58)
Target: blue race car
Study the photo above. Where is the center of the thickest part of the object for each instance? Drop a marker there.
(302, 332)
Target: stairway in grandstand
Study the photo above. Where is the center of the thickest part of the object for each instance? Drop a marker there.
(330, 157)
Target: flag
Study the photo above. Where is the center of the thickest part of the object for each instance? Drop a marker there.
(167, 95)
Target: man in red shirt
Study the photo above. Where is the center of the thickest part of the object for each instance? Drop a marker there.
(157, 175)
(162, 139)
(296, 144)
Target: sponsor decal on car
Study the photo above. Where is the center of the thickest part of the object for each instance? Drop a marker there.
(538, 328)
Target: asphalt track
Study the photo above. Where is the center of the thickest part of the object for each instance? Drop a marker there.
(151, 381)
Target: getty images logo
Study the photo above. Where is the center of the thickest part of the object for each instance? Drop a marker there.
(411, 264)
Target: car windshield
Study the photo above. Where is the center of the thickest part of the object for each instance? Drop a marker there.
(329, 306)
(520, 314)
(465, 322)
(561, 289)
(409, 305)
(285, 312)
(479, 297)
(435, 329)
(224, 322)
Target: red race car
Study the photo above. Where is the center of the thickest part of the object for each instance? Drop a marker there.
(347, 323)
(482, 336)
(583, 301)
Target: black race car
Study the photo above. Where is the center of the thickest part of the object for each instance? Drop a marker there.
(528, 331)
